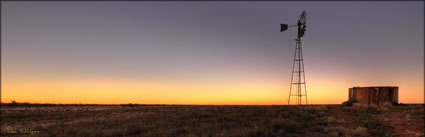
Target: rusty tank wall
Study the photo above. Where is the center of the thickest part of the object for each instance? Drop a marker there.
(373, 95)
(395, 95)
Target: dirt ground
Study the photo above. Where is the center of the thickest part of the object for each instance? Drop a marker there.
(212, 121)
(406, 121)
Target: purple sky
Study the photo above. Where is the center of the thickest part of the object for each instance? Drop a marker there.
(354, 43)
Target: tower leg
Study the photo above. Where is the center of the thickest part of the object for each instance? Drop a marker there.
(299, 80)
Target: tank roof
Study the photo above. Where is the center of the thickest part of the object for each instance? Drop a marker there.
(377, 87)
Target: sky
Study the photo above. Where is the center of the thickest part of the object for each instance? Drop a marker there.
(206, 52)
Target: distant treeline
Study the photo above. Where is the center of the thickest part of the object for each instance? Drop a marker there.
(14, 103)
(49, 104)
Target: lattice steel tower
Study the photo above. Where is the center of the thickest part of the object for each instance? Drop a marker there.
(298, 84)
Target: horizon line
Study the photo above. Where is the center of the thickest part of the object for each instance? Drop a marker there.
(137, 104)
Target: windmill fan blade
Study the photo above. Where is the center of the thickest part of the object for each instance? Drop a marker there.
(283, 27)
(303, 17)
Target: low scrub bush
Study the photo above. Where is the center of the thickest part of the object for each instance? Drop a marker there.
(349, 102)
(360, 131)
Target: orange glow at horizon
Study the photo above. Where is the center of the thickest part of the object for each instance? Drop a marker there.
(143, 92)
(113, 92)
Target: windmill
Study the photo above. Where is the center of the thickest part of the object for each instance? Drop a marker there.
(298, 76)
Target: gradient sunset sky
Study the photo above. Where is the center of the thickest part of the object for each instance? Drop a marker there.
(206, 52)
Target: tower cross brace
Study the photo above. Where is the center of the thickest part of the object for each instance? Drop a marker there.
(298, 84)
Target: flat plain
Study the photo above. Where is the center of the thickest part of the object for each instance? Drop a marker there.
(211, 121)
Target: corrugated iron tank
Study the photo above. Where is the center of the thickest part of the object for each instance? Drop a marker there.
(380, 95)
